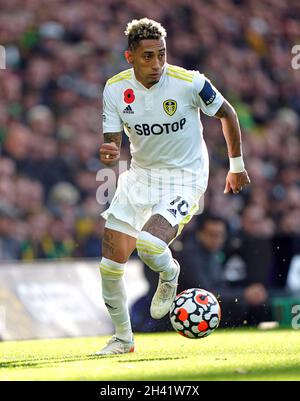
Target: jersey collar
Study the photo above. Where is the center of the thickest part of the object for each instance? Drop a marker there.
(157, 85)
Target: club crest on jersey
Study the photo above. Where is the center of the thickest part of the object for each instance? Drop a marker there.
(170, 106)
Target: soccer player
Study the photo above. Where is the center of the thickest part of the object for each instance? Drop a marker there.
(157, 105)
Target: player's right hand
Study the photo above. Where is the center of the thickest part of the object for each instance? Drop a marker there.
(109, 153)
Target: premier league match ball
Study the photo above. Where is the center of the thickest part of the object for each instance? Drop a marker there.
(195, 313)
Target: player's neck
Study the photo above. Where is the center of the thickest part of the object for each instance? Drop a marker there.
(146, 85)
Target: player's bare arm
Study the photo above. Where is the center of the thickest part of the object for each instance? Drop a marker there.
(110, 149)
(158, 226)
(235, 181)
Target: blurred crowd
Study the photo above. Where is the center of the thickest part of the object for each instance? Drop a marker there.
(59, 54)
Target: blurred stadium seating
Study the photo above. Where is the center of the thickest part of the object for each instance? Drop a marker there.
(59, 55)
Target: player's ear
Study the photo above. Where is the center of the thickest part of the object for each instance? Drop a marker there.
(129, 56)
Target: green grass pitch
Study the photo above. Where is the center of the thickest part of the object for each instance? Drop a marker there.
(232, 354)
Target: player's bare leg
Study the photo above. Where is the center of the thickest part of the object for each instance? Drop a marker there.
(117, 246)
(152, 246)
(116, 250)
(158, 226)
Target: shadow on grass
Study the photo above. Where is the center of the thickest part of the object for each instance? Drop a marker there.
(44, 362)
(228, 373)
(51, 362)
(152, 359)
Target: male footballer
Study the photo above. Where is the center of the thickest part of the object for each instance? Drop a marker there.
(157, 105)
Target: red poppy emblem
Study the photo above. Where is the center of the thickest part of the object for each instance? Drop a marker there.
(129, 96)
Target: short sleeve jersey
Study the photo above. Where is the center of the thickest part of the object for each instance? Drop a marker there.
(163, 123)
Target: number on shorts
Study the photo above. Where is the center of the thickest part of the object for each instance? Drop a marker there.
(181, 203)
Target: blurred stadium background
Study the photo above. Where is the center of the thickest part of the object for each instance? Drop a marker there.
(58, 56)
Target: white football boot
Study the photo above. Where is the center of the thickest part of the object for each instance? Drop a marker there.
(164, 296)
(116, 346)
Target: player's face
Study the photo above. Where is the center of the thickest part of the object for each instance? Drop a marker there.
(148, 61)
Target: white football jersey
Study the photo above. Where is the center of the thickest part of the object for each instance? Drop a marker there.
(163, 122)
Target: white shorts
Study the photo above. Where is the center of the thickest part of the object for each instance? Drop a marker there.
(135, 201)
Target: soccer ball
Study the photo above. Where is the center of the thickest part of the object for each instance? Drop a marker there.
(195, 313)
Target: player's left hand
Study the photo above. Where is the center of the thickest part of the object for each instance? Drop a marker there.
(235, 182)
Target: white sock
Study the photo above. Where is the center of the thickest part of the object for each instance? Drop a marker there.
(114, 295)
(156, 254)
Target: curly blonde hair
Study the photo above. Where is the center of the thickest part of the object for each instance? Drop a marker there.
(144, 28)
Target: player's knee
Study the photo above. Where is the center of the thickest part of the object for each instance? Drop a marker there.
(149, 247)
(111, 270)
